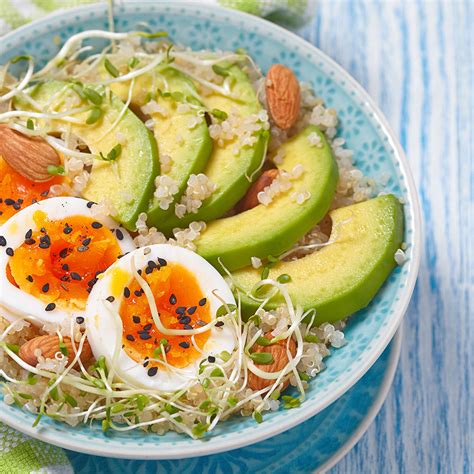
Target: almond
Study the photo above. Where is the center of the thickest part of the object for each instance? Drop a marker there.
(29, 156)
(250, 199)
(283, 96)
(49, 345)
(280, 360)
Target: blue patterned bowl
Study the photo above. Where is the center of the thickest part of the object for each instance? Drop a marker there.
(376, 152)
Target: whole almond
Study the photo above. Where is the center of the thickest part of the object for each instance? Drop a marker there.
(250, 199)
(29, 156)
(280, 360)
(49, 346)
(283, 96)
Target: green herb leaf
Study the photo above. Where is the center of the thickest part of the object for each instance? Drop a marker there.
(37, 419)
(311, 338)
(217, 372)
(26, 396)
(290, 402)
(263, 341)
(30, 125)
(94, 115)
(222, 310)
(219, 114)
(225, 356)
(304, 376)
(31, 380)
(111, 69)
(171, 409)
(71, 401)
(117, 407)
(55, 170)
(21, 57)
(284, 278)
(220, 71)
(63, 347)
(200, 429)
(142, 401)
(265, 272)
(264, 358)
(113, 154)
(232, 401)
(257, 416)
(92, 96)
(275, 395)
(133, 62)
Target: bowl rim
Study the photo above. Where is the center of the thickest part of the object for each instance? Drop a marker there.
(265, 431)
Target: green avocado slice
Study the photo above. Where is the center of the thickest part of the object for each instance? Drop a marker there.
(343, 277)
(270, 230)
(127, 181)
(181, 131)
(231, 173)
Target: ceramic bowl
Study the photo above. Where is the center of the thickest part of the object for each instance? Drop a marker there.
(376, 152)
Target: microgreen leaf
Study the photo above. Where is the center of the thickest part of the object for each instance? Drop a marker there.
(171, 409)
(37, 419)
(217, 372)
(21, 57)
(311, 338)
(225, 309)
(157, 34)
(117, 407)
(232, 401)
(71, 401)
(26, 396)
(199, 429)
(219, 114)
(304, 376)
(264, 358)
(284, 278)
(220, 71)
(275, 395)
(142, 401)
(63, 347)
(94, 115)
(113, 154)
(177, 96)
(111, 69)
(290, 402)
(105, 425)
(225, 356)
(55, 170)
(133, 62)
(53, 392)
(263, 341)
(30, 125)
(255, 319)
(257, 416)
(12, 347)
(92, 96)
(265, 272)
(31, 380)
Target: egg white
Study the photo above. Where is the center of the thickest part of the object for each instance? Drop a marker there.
(104, 325)
(14, 302)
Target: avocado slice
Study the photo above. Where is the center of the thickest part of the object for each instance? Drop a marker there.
(188, 148)
(342, 277)
(127, 181)
(270, 230)
(231, 173)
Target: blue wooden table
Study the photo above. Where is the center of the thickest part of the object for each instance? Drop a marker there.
(416, 59)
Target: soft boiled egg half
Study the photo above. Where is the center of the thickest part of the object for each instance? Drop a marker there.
(51, 255)
(153, 316)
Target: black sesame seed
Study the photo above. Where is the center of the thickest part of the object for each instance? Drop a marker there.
(119, 234)
(145, 336)
(34, 201)
(90, 204)
(79, 320)
(28, 234)
(138, 292)
(30, 241)
(3, 241)
(152, 264)
(202, 302)
(82, 248)
(139, 271)
(219, 324)
(162, 262)
(200, 322)
(16, 206)
(211, 359)
(187, 326)
(75, 276)
(126, 292)
(96, 225)
(45, 242)
(86, 242)
(167, 348)
(64, 278)
(192, 309)
(130, 337)
(44, 193)
(9, 202)
(180, 309)
(152, 371)
(147, 327)
(185, 320)
(148, 270)
(92, 282)
(43, 230)
(50, 307)
(173, 299)
(65, 267)
(145, 364)
(45, 288)
(136, 319)
(110, 299)
(9, 251)
(63, 253)
(67, 229)
(184, 345)
(29, 278)
(19, 201)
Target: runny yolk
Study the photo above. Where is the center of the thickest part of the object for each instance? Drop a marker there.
(60, 262)
(181, 305)
(17, 192)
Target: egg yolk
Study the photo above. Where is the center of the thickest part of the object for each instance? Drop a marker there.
(60, 262)
(181, 305)
(17, 192)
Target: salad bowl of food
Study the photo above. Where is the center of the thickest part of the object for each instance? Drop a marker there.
(209, 232)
